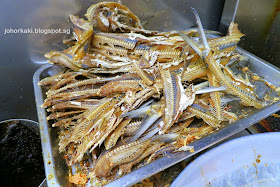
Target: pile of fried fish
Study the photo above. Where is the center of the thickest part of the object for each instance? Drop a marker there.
(128, 95)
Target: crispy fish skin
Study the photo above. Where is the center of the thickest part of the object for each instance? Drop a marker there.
(231, 88)
(119, 155)
(176, 99)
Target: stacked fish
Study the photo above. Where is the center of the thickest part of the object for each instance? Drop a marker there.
(128, 95)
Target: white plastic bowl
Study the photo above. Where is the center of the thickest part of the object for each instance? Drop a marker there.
(246, 161)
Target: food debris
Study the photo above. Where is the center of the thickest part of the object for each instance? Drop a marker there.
(245, 69)
(256, 78)
(78, 178)
(275, 115)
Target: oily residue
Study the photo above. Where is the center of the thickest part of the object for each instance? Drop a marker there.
(255, 165)
(258, 159)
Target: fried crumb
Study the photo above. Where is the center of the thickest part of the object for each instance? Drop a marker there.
(256, 78)
(78, 178)
(158, 175)
(245, 69)
(271, 86)
(144, 183)
(275, 115)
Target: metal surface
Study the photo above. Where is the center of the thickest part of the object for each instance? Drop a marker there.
(22, 54)
(44, 183)
(248, 161)
(57, 169)
(228, 15)
(260, 21)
